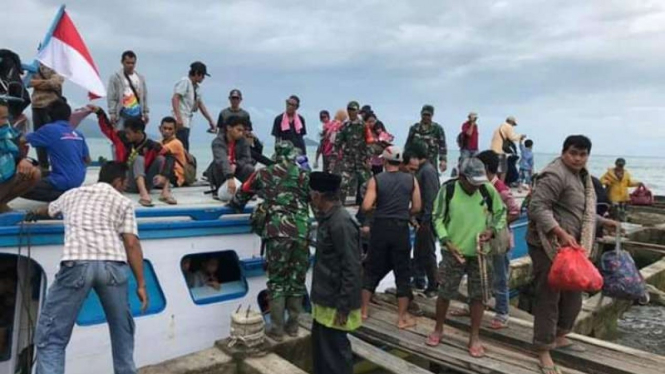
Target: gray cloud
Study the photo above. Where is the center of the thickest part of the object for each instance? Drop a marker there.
(561, 67)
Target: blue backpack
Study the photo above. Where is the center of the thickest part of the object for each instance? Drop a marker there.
(621, 278)
(9, 152)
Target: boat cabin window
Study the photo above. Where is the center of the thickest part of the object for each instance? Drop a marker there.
(214, 277)
(92, 313)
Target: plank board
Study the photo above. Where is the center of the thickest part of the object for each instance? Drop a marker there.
(373, 354)
(599, 358)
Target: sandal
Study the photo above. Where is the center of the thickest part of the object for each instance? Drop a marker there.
(572, 348)
(460, 312)
(477, 352)
(168, 200)
(549, 369)
(434, 339)
(146, 203)
(498, 323)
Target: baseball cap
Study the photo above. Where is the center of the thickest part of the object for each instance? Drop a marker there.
(511, 119)
(474, 171)
(235, 93)
(473, 115)
(353, 105)
(620, 161)
(392, 153)
(366, 109)
(199, 67)
(427, 109)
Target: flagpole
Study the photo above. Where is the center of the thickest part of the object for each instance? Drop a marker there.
(33, 67)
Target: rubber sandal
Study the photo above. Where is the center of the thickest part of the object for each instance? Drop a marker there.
(168, 200)
(146, 203)
(498, 324)
(477, 352)
(433, 339)
(460, 313)
(572, 347)
(549, 369)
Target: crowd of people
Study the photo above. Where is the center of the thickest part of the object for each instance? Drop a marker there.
(397, 190)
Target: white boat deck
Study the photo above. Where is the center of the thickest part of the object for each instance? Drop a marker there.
(187, 197)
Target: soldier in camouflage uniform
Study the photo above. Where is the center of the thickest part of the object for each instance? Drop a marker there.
(284, 188)
(353, 166)
(432, 134)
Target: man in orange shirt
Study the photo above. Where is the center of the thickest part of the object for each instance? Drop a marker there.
(171, 143)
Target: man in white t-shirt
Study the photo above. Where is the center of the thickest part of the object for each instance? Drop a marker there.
(187, 100)
(127, 92)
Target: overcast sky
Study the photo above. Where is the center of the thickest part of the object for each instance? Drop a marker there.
(560, 67)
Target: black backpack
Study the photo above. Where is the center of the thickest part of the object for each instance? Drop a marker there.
(449, 187)
(461, 140)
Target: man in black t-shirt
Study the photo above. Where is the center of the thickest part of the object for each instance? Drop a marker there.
(291, 125)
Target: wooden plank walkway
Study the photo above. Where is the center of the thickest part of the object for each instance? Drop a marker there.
(452, 353)
(509, 350)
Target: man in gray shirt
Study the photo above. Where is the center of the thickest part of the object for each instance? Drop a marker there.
(562, 213)
(127, 92)
(425, 245)
(235, 98)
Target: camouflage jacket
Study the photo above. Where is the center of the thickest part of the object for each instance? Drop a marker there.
(433, 136)
(350, 140)
(284, 188)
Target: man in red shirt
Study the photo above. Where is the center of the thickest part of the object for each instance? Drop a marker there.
(469, 137)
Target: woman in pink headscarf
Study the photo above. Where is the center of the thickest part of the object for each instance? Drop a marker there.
(326, 147)
(380, 140)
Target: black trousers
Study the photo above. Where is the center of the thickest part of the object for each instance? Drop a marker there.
(40, 118)
(424, 255)
(331, 350)
(43, 191)
(183, 135)
(389, 249)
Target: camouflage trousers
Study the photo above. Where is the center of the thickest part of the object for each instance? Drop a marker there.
(288, 262)
(353, 177)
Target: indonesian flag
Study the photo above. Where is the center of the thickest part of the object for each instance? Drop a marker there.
(66, 53)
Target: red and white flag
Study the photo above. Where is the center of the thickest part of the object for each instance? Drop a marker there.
(66, 53)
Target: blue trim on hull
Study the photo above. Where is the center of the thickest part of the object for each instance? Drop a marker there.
(44, 234)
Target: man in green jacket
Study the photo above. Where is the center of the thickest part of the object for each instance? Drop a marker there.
(463, 222)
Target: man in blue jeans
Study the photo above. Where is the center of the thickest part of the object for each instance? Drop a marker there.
(501, 257)
(101, 238)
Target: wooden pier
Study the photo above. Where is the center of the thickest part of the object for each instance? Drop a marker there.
(508, 351)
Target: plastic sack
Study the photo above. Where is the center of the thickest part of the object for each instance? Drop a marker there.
(621, 278)
(223, 192)
(641, 196)
(572, 271)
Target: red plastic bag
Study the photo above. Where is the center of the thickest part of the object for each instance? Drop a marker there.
(641, 196)
(572, 271)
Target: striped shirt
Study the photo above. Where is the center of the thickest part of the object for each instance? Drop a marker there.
(94, 217)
